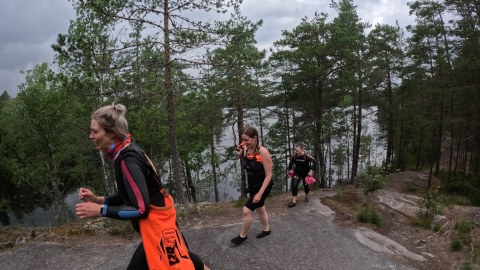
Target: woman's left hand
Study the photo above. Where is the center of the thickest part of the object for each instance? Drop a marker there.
(257, 198)
(310, 173)
(88, 210)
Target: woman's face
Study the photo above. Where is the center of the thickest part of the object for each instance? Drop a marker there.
(99, 136)
(248, 141)
(299, 150)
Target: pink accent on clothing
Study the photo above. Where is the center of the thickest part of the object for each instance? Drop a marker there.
(133, 185)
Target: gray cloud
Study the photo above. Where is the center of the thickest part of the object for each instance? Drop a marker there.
(28, 28)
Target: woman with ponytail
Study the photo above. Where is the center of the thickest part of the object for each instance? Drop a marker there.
(140, 198)
(257, 162)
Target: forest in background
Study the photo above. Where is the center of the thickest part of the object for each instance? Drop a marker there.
(184, 80)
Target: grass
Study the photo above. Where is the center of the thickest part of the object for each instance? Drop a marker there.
(339, 190)
(456, 245)
(468, 266)
(188, 210)
(423, 221)
(464, 226)
(450, 200)
(368, 214)
(240, 202)
(436, 227)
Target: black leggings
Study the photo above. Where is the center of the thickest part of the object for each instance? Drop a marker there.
(139, 260)
(295, 182)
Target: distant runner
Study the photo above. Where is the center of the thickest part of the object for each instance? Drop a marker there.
(304, 166)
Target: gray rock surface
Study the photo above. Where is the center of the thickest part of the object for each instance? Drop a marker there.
(305, 238)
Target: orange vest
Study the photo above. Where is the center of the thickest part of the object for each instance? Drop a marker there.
(163, 243)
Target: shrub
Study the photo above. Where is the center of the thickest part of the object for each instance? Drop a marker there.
(463, 228)
(436, 227)
(424, 221)
(372, 179)
(449, 200)
(339, 190)
(456, 245)
(462, 185)
(240, 202)
(467, 266)
(377, 183)
(368, 214)
(430, 204)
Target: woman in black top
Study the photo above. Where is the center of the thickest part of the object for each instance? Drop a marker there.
(257, 162)
(138, 185)
(304, 164)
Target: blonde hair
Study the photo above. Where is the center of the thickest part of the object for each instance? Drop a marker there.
(112, 119)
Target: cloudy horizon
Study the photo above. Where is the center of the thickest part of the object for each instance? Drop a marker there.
(28, 28)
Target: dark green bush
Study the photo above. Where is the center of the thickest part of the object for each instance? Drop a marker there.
(368, 214)
(456, 245)
(463, 228)
(423, 221)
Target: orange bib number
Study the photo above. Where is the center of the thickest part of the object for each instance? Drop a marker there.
(162, 241)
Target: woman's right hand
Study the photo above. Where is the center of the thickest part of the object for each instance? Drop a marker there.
(87, 195)
(240, 149)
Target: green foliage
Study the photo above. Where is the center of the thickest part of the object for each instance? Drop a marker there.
(450, 200)
(376, 183)
(436, 227)
(468, 266)
(456, 245)
(462, 188)
(423, 221)
(48, 154)
(423, 87)
(240, 202)
(463, 228)
(339, 190)
(372, 179)
(430, 204)
(368, 214)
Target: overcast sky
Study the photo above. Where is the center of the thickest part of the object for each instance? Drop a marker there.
(28, 28)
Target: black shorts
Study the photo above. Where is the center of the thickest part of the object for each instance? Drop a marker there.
(252, 206)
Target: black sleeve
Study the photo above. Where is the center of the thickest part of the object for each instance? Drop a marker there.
(136, 188)
(114, 199)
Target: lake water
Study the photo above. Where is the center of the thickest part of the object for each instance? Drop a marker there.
(41, 217)
(229, 171)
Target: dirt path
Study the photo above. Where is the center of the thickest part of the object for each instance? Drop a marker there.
(302, 238)
(309, 236)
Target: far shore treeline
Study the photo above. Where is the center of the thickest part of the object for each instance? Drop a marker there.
(184, 81)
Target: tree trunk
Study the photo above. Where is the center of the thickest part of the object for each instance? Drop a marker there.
(330, 176)
(190, 184)
(347, 139)
(107, 179)
(400, 158)
(240, 126)
(260, 124)
(357, 136)
(319, 155)
(390, 121)
(214, 166)
(172, 125)
(288, 151)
